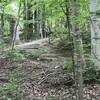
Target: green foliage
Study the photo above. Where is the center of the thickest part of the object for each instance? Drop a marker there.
(59, 33)
(90, 73)
(63, 43)
(8, 91)
(1, 43)
(68, 65)
(33, 54)
(17, 54)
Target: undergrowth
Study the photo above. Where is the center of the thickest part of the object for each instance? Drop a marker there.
(9, 91)
(17, 54)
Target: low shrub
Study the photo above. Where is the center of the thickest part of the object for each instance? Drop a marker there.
(8, 91)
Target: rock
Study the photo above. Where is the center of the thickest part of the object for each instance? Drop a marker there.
(48, 57)
(4, 79)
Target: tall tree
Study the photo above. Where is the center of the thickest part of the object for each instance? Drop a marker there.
(36, 21)
(43, 20)
(12, 21)
(95, 29)
(78, 48)
(28, 18)
(14, 39)
(2, 14)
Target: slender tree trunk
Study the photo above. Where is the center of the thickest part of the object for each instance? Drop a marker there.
(2, 18)
(78, 49)
(36, 23)
(28, 27)
(25, 19)
(68, 26)
(15, 27)
(2, 22)
(43, 21)
(12, 24)
(2, 29)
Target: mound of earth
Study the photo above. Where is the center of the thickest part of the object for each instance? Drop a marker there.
(43, 78)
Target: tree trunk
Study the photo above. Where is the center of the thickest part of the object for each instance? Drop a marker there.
(2, 20)
(95, 29)
(43, 21)
(2, 23)
(2, 30)
(78, 50)
(28, 26)
(12, 24)
(15, 28)
(36, 23)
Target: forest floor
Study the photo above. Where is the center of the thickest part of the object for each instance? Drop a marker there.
(41, 78)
